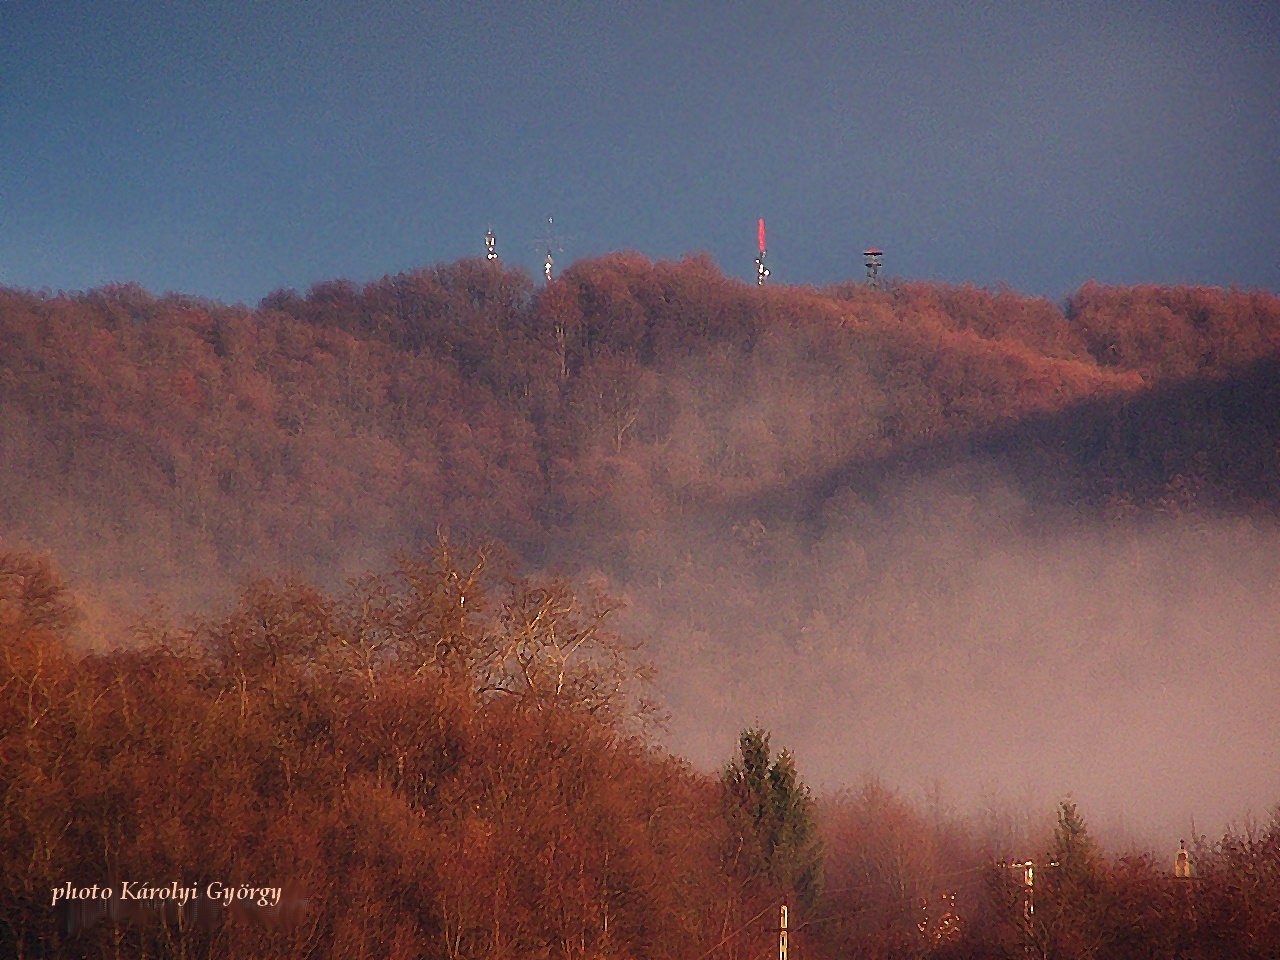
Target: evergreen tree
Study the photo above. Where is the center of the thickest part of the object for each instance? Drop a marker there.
(1074, 850)
(1074, 915)
(771, 817)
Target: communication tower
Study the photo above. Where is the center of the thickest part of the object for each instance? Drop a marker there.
(490, 245)
(552, 244)
(762, 272)
(872, 263)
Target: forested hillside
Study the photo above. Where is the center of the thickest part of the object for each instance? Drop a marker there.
(916, 530)
(449, 762)
(169, 446)
(708, 447)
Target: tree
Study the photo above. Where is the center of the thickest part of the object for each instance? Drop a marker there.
(771, 818)
(1072, 897)
(39, 705)
(554, 647)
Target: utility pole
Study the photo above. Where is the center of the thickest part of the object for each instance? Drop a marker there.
(782, 926)
(1028, 869)
(1182, 864)
(1029, 880)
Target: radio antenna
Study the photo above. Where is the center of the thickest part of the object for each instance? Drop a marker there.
(551, 244)
(762, 272)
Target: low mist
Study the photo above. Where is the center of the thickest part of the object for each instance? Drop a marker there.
(982, 546)
(950, 635)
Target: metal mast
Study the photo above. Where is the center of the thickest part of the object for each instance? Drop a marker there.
(552, 244)
(490, 245)
(762, 272)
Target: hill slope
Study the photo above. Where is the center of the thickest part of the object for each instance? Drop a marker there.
(901, 499)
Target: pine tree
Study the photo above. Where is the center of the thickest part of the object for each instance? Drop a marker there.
(1075, 913)
(770, 813)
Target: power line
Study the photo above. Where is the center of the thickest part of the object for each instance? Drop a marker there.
(936, 876)
(840, 916)
(736, 932)
(867, 886)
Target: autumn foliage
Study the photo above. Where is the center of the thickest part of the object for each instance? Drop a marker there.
(440, 774)
(452, 755)
(444, 761)
(172, 446)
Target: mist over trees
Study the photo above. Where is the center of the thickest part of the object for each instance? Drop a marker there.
(390, 756)
(317, 433)
(170, 446)
(912, 530)
(435, 776)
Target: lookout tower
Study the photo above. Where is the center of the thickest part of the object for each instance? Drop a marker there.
(871, 259)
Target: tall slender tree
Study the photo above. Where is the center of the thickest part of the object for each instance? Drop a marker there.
(771, 818)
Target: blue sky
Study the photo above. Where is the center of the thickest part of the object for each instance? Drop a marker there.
(229, 149)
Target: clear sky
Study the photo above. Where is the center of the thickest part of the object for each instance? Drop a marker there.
(227, 149)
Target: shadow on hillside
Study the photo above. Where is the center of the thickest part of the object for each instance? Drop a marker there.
(1206, 443)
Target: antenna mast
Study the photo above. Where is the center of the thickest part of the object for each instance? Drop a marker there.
(762, 272)
(552, 244)
(490, 245)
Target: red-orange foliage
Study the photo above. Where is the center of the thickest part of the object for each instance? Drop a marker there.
(304, 740)
(613, 421)
(429, 807)
(173, 445)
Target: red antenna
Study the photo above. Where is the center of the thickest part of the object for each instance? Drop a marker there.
(762, 272)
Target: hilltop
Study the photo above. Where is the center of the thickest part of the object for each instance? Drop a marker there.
(918, 531)
(169, 445)
(791, 488)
